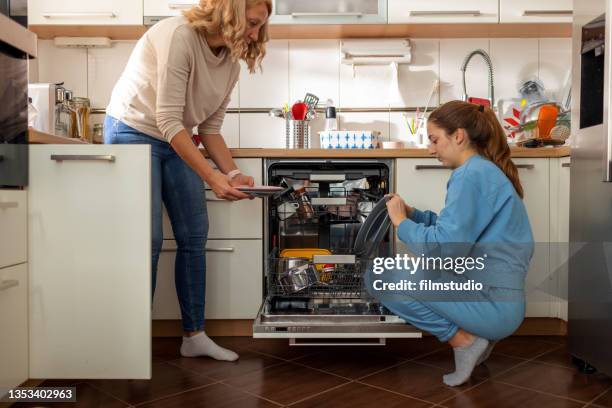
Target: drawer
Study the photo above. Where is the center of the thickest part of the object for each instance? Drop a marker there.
(14, 325)
(13, 227)
(232, 220)
(234, 280)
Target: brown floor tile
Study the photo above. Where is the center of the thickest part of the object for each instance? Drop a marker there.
(166, 380)
(560, 381)
(417, 381)
(221, 370)
(286, 383)
(495, 364)
(553, 339)
(355, 395)
(412, 348)
(86, 397)
(280, 348)
(350, 362)
(166, 348)
(495, 395)
(524, 346)
(216, 395)
(605, 400)
(236, 344)
(560, 357)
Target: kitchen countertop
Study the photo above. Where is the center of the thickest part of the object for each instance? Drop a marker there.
(563, 151)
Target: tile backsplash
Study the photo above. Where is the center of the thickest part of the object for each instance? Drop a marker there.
(294, 67)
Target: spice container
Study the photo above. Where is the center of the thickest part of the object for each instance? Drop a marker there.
(79, 119)
(98, 133)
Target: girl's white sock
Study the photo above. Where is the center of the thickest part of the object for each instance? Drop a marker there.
(201, 345)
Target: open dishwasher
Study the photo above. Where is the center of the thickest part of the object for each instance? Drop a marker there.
(314, 286)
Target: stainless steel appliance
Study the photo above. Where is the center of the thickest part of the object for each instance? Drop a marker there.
(314, 285)
(16, 44)
(590, 276)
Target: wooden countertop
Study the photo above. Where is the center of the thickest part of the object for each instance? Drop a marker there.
(543, 152)
(517, 152)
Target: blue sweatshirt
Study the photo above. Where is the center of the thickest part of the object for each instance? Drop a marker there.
(483, 214)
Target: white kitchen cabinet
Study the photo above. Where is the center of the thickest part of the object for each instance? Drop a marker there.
(13, 227)
(89, 237)
(91, 12)
(156, 10)
(535, 11)
(559, 232)
(329, 12)
(233, 280)
(228, 219)
(442, 11)
(14, 326)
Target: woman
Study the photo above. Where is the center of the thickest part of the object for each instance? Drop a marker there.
(179, 76)
(484, 214)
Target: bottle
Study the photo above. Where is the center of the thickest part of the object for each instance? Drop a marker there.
(331, 122)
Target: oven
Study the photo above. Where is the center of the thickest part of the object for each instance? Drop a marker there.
(17, 44)
(313, 272)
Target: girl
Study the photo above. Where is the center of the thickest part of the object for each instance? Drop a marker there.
(483, 207)
(180, 75)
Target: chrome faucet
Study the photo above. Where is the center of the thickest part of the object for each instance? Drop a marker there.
(487, 60)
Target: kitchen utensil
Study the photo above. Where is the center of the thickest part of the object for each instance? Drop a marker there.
(287, 210)
(480, 101)
(277, 113)
(299, 111)
(285, 264)
(560, 132)
(79, 119)
(299, 278)
(547, 117)
(297, 134)
(311, 101)
(260, 191)
(305, 210)
(373, 230)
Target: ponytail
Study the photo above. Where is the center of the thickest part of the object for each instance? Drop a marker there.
(484, 131)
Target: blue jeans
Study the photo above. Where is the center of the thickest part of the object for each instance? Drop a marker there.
(182, 191)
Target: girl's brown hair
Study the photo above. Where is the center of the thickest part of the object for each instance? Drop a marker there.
(228, 18)
(484, 132)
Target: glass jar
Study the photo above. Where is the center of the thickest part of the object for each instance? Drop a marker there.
(98, 133)
(79, 119)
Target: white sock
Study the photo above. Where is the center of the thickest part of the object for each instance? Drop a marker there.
(465, 361)
(201, 345)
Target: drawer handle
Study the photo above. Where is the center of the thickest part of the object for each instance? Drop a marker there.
(298, 15)
(219, 249)
(431, 167)
(76, 15)
(8, 204)
(180, 6)
(434, 13)
(8, 284)
(207, 249)
(525, 166)
(547, 13)
(566, 165)
(82, 157)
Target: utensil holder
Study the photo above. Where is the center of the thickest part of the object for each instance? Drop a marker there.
(297, 134)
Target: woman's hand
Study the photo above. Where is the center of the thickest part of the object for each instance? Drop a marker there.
(398, 209)
(242, 180)
(222, 188)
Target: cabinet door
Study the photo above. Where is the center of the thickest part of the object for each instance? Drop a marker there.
(535, 11)
(77, 12)
(14, 324)
(155, 10)
(535, 179)
(443, 11)
(233, 280)
(329, 12)
(13, 227)
(89, 235)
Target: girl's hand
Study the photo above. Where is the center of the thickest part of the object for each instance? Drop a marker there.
(222, 188)
(242, 180)
(397, 209)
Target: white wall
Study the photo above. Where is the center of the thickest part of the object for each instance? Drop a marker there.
(294, 67)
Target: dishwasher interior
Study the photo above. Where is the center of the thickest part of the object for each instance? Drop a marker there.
(314, 284)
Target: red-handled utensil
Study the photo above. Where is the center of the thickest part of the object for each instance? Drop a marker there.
(299, 111)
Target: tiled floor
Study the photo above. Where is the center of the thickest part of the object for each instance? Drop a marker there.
(522, 372)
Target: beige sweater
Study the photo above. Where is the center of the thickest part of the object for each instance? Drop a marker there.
(173, 81)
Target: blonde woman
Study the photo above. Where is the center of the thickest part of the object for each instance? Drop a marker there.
(179, 76)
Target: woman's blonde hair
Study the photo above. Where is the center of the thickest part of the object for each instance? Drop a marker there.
(228, 18)
(484, 131)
